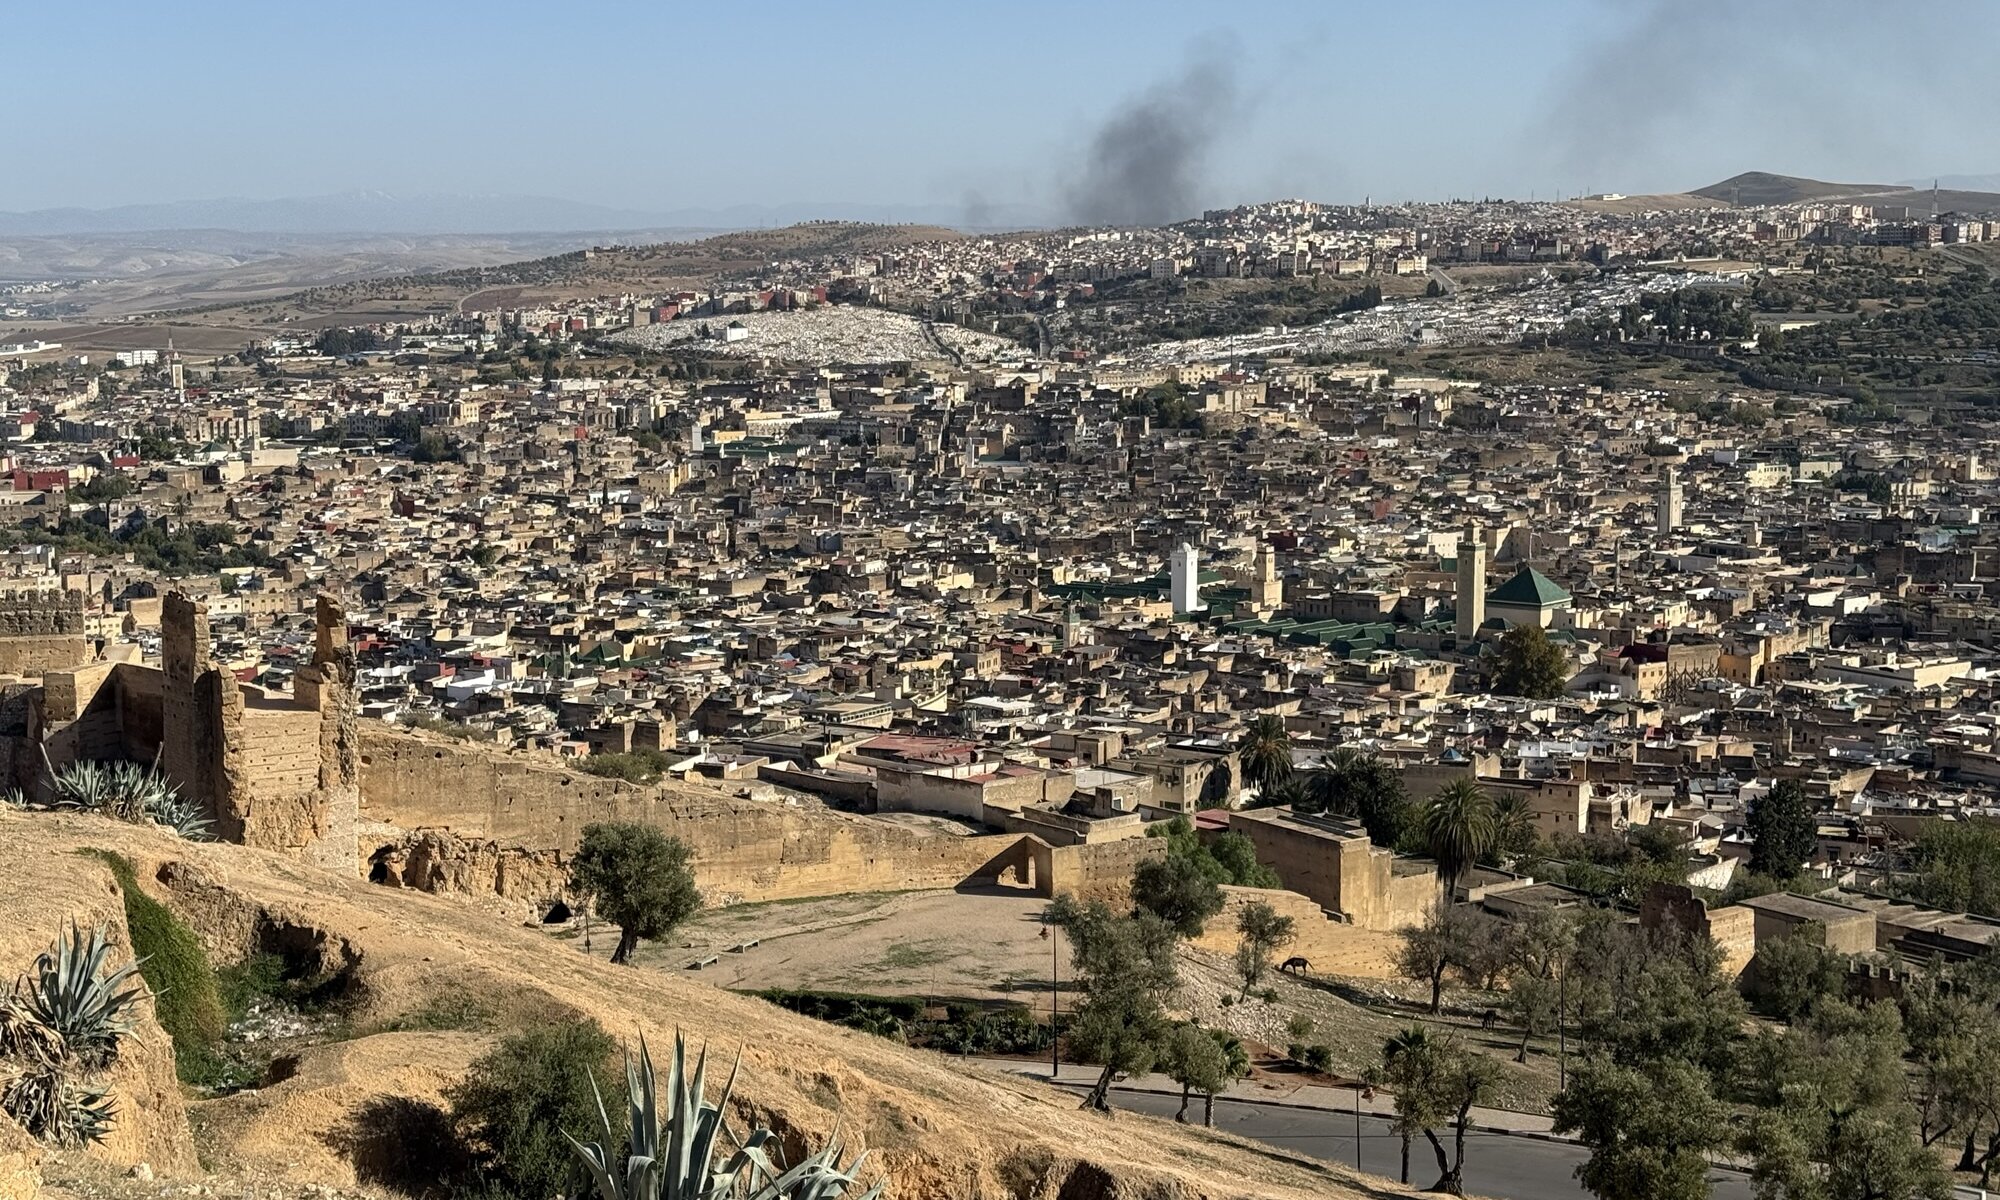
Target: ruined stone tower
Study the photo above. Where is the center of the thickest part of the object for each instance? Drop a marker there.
(273, 771)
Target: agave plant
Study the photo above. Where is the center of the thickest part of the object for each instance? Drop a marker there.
(56, 1106)
(14, 797)
(130, 791)
(818, 1177)
(61, 1023)
(184, 817)
(70, 993)
(85, 785)
(137, 792)
(678, 1159)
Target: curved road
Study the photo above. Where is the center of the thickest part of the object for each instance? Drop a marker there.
(1501, 1165)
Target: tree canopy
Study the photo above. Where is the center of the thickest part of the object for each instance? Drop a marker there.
(1530, 665)
(1783, 831)
(1175, 889)
(638, 878)
(1459, 826)
(1126, 967)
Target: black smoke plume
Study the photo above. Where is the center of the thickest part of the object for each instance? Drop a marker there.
(1144, 165)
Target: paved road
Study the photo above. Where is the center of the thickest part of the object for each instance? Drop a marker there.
(1503, 1166)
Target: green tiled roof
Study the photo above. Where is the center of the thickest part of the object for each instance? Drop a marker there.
(1528, 588)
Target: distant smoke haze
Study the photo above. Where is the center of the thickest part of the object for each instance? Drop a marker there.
(1145, 164)
(1832, 89)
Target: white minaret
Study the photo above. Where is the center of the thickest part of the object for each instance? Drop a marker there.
(1184, 568)
(1671, 501)
(1471, 583)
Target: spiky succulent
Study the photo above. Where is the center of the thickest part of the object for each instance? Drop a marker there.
(54, 1104)
(85, 785)
(818, 1177)
(136, 792)
(58, 1028)
(14, 797)
(681, 1159)
(74, 993)
(130, 791)
(184, 817)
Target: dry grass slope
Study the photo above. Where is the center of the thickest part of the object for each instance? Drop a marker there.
(940, 1129)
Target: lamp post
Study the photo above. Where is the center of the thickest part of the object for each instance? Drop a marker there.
(1055, 1006)
(1361, 1092)
(1562, 1028)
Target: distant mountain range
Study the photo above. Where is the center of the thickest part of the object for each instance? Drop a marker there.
(383, 212)
(1972, 193)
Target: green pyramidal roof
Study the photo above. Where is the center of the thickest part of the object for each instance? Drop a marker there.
(1528, 588)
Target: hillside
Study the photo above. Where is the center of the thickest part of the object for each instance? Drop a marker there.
(1753, 188)
(658, 266)
(327, 1113)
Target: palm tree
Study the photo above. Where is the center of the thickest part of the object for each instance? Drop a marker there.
(1265, 753)
(1458, 827)
(1513, 822)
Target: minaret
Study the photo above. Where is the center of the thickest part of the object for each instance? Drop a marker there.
(176, 374)
(1184, 577)
(1671, 501)
(1471, 582)
(1266, 592)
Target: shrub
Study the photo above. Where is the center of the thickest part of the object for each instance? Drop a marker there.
(516, 1102)
(186, 999)
(839, 1007)
(969, 1030)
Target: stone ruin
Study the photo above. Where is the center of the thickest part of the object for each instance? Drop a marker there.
(273, 771)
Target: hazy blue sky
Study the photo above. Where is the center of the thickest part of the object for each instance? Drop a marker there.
(662, 104)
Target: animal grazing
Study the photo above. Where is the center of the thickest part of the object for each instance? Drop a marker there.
(1295, 964)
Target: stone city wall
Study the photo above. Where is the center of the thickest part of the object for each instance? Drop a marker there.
(744, 850)
(1100, 871)
(42, 614)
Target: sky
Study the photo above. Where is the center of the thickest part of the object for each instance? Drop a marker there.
(1096, 109)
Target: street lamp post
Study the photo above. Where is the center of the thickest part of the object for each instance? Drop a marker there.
(1562, 1028)
(1357, 1127)
(1055, 1006)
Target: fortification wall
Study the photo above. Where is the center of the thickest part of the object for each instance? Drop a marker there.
(38, 655)
(1329, 947)
(744, 850)
(42, 614)
(98, 711)
(1096, 871)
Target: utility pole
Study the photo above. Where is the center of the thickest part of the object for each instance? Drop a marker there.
(1357, 1124)
(1055, 1004)
(1562, 1025)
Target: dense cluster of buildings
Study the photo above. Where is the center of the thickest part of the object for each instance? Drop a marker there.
(1002, 594)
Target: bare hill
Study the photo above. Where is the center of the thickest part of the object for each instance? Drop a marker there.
(1753, 188)
(938, 1127)
(1762, 187)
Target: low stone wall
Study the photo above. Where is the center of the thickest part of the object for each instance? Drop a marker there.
(744, 850)
(1099, 871)
(1329, 947)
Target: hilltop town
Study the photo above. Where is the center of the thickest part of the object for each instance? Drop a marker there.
(1454, 603)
